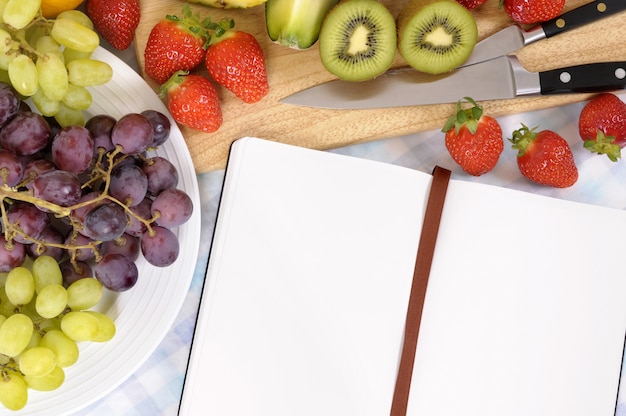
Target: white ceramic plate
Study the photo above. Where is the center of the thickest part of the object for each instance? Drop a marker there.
(146, 312)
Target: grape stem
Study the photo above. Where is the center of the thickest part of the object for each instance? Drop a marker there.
(10, 194)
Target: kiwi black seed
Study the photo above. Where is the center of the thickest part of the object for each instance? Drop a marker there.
(358, 40)
(436, 36)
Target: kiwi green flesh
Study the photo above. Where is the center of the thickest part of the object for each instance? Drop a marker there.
(438, 38)
(358, 40)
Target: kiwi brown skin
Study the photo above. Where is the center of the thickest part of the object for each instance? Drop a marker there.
(358, 40)
(436, 36)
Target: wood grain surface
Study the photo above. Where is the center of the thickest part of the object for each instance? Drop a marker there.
(292, 70)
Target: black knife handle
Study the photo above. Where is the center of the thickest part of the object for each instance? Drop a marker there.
(604, 76)
(582, 15)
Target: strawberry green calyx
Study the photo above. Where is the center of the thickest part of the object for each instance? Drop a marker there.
(174, 81)
(522, 138)
(467, 117)
(604, 145)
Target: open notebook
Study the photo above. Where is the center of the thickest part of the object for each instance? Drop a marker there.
(308, 280)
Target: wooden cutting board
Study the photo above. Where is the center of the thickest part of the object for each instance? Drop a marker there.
(291, 70)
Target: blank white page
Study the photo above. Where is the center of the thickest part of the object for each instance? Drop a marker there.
(309, 277)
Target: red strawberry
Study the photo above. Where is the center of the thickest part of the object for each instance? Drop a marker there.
(236, 61)
(193, 101)
(544, 157)
(175, 44)
(473, 139)
(602, 125)
(115, 20)
(532, 11)
(470, 4)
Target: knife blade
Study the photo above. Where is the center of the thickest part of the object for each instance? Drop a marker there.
(513, 38)
(499, 78)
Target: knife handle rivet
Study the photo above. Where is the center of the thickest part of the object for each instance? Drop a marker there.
(565, 77)
(601, 7)
(620, 73)
(560, 23)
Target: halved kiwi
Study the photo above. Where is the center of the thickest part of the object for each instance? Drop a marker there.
(436, 36)
(358, 40)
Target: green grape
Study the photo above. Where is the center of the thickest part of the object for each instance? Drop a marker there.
(65, 349)
(20, 286)
(72, 34)
(37, 361)
(89, 72)
(2, 319)
(77, 16)
(46, 271)
(23, 75)
(107, 327)
(13, 391)
(5, 60)
(78, 97)
(19, 13)
(3, 4)
(51, 381)
(80, 326)
(5, 41)
(15, 334)
(51, 301)
(67, 116)
(46, 44)
(52, 75)
(45, 105)
(84, 294)
(70, 55)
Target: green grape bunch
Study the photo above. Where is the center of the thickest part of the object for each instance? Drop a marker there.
(49, 60)
(42, 322)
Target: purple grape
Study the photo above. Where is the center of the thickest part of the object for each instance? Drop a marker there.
(9, 103)
(28, 219)
(59, 187)
(81, 253)
(136, 227)
(48, 235)
(173, 206)
(133, 132)
(128, 184)
(11, 169)
(161, 174)
(105, 222)
(116, 272)
(25, 134)
(100, 127)
(73, 272)
(79, 213)
(72, 149)
(12, 254)
(160, 248)
(36, 168)
(126, 245)
(160, 124)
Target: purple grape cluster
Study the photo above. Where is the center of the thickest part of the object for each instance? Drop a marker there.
(90, 196)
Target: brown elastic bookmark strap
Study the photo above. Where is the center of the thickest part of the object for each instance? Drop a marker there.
(425, 252)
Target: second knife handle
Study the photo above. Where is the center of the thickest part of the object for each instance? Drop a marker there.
(583, 15)
(604, 76)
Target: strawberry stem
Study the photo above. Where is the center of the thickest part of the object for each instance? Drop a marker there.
(468, 117)
(604, 145)
(522, 138)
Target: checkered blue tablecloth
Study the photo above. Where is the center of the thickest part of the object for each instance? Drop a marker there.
(155, 389)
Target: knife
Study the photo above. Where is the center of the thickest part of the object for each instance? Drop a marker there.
(499, 78)
(513, 38)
